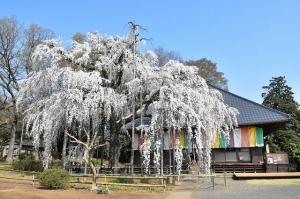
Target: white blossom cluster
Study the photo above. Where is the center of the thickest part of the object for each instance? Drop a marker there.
(156, 158)
(77, 88)
(145, 150)
(178, 156)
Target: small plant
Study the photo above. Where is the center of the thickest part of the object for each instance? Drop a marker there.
(55, 164)
(55, 178)
(2, 159)
(95, 162)
(28, 165)
(26, 156)
(124, 180)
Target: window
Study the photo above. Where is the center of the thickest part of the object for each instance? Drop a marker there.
(221, 155)
(244, 155)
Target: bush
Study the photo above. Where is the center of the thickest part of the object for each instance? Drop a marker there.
(55, 178)
(95, 162)
(124, 180)
(55, 164)
(28, 165)
(26, 156)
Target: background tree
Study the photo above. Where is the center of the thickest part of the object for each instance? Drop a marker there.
(16, 47)
(32, 37)
(10, 70)
(78, 37)
(279, 95)
(5, 121)
(208, 70)
(163, 56)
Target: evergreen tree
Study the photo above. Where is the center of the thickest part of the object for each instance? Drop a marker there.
(279, 95)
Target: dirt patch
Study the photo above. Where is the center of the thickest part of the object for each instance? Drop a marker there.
(19, 191)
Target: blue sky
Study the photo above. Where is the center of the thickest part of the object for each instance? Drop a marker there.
(251, 41)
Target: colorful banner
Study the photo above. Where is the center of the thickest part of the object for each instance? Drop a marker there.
(252, 137)
(231, 141)
(170, 137)
(259, 137)
(223, 141)
(186, 140)
(241, 137)
(245, 137)
(237, 136)
(181, 139)
(217, 141)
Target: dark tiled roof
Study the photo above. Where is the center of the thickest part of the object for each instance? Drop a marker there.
(137, 122)
(251, 113)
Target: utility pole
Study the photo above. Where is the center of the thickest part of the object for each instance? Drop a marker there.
(133, 34)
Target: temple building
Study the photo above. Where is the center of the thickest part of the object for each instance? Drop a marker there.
(246, 150)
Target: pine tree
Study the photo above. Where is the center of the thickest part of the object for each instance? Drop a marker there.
(279, 95)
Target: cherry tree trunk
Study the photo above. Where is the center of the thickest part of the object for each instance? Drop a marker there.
(114, 149)
(115, 144)
(64, 150)
(94, 177)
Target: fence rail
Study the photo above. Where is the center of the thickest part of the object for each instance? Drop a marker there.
(110, 180)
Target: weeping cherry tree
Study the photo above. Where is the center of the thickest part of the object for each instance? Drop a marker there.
(105, 80)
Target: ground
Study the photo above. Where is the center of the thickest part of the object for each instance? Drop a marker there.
(21, 191)
(192, 188)
(247, 189)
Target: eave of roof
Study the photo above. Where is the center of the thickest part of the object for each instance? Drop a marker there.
(281, 117)
(251, 113)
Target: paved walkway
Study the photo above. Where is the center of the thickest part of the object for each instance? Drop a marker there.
(234, 190)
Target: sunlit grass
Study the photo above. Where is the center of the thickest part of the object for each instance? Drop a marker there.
(291, 181)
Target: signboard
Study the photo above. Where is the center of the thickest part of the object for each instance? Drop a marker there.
(277, 158)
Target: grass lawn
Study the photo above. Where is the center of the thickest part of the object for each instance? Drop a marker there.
(290, 181)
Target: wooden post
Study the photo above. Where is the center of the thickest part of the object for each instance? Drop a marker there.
(213, 181)
(224, 169)
(132, 143)
(170, 152)
(102, 128)
(173, 144)
(33, 180)
(162, 146)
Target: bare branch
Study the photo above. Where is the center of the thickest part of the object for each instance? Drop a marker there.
(100, 145)
(75, 140)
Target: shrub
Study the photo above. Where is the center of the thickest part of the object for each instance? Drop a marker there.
(26, 156)
(55, 178)
(124, 180)
(55, 164)
(2, 159)
(95, 162)
(28, 165)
